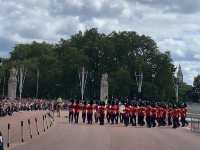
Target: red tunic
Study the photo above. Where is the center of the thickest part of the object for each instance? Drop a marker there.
(84, 108)
(77, 108)
(183, 112)
(102, 109)
(148, 111)
(90, 109)
(153, 112)
(71, 108)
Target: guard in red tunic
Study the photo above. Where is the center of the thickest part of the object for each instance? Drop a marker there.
(126, 114)
(84, 108)
(76, 111)
(90, 112)
(169, 115)
(71, 111)
(175, 117)
(116, 108)
(101, 113)
(148, 115)
(112, 113)
(141, 114)
(96, 112)
(108, 112)
(153, 115)
(183, 113)
(163, 115)
(133, 111)
(158, 114)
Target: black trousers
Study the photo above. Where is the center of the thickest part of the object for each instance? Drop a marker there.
(148, 121)
(175, 122)
(126, 120)
(116, 118)
(133, 120)
(84, 116)
(96, 117)
(101, 118)
(71, 116)
(121, 115)
(108, 117)
(153, 121)
(169, 120)
(76, 117)
(1, 146)
(112, 118)
(183, 122)
(89, 118)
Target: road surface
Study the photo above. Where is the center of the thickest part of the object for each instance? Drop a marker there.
(65, 136)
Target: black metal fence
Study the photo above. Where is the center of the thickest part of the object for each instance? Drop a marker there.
(194, 120)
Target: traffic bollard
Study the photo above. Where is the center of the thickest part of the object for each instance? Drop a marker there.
(22, 131)
(8, 142)
(29, 125)
(36, 125)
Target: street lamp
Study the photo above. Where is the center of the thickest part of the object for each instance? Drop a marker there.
(139, 80)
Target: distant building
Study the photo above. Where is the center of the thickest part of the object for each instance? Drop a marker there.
(180, 75)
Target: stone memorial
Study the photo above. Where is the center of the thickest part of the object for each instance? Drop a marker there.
(12, 84)
(104, 87)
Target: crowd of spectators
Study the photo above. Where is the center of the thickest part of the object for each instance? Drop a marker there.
(8, 106)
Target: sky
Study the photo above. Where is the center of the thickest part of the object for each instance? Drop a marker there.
(173, 24)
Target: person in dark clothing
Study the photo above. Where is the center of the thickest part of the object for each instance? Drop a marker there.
(84, 108)
(71, 111)
(1, 142)
(76, 111)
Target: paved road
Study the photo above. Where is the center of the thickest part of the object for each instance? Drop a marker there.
(64, 136)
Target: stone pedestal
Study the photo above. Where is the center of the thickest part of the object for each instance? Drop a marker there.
(104, 87)
(12, 84)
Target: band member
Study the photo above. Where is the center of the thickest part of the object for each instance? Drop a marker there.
(116, 107)
(90, 112)
(112, 113)
(169, 115)
(148, 115)
(121, 112)
(126, 114)
(141, 114)
(108, 112)
(153, 115)
(158, 114)
(71, 111)
(163, 115)
(183, 113)
(175, 117)
(102, 113)
(133, 111)
(96, 112)
(1, 142)
(84, 108)
(76, 111)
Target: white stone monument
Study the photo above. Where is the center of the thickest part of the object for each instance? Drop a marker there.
(104, 87)
(12, 84)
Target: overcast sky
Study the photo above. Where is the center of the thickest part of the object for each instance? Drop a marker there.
(173, 24)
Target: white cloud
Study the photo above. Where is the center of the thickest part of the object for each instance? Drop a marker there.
(174, 25)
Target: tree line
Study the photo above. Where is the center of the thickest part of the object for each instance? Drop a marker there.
(52, 70)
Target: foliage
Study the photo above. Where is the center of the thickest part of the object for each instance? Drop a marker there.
(120, 54)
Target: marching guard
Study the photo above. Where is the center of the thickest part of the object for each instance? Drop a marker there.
(71, 111)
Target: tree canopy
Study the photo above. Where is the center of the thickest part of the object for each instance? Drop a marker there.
(120, 54)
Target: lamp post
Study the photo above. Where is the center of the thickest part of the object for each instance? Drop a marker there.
(153, 75)
(139, 80)
(83, 79)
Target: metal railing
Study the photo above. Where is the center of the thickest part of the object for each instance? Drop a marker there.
(194, 120)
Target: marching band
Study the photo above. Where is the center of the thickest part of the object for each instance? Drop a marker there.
(134, 114)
